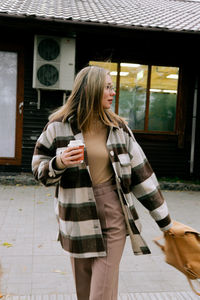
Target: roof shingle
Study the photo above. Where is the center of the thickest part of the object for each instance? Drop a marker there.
(178, 15)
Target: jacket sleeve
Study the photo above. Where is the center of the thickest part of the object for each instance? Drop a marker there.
(44, 157)
(145, 186)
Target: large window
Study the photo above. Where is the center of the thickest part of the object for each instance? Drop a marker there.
(146, 95)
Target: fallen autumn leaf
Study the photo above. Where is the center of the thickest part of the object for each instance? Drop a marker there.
(8, 245)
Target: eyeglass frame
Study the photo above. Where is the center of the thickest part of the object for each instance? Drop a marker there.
(110, 88)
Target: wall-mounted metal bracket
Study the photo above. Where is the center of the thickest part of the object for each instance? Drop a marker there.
(64, 97)
(38, 98)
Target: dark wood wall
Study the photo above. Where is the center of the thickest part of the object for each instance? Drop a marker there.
(34, 118)
(165, 154)
(168, 155)
(197, 137)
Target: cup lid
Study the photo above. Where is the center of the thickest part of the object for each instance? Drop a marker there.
(76, 143)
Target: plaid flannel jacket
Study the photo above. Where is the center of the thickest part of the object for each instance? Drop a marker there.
(79, 227)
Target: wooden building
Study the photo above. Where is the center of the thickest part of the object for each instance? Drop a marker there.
(151, 49)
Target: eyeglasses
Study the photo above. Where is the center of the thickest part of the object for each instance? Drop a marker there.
(110, 88)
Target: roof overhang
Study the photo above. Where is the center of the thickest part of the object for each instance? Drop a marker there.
(35, 22)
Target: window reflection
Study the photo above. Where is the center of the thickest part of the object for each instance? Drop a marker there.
(8, 88)
(145, 108)
(132, 99)
(163, 96)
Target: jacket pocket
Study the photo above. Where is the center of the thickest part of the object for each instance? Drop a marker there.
(124, 159)
(124, 167)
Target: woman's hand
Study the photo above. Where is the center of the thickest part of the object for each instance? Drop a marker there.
(71, 156)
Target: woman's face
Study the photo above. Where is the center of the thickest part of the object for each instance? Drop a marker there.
(108, 93)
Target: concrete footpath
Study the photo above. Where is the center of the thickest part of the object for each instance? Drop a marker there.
(35, 267)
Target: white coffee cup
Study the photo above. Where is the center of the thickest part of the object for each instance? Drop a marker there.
(73, 143)
(80, 144)
(59, 151)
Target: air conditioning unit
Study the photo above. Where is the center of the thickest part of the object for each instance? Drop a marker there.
(53, 63)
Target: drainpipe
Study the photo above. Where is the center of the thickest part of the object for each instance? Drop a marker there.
(193, 128)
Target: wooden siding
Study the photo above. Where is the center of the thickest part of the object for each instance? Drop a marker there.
(197, 138)
(164, 154)
(166, 158)
(34, 118)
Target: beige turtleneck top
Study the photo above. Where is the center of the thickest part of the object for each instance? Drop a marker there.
(98, 156)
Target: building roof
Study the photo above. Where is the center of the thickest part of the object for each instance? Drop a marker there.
(175, 15)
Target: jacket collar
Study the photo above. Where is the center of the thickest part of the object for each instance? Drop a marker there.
(74, 126)
(73, 122)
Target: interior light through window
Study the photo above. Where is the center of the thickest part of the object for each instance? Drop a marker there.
(114, 73)
(155, 90)
(173, 76)
(170, 91)
(129, 65)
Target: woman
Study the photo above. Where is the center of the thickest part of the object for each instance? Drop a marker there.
(94, 199)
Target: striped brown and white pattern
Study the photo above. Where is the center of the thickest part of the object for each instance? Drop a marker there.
(75, 206)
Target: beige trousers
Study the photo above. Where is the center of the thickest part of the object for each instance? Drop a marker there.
(97, 278)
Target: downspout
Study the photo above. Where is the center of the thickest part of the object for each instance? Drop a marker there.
(194, 115)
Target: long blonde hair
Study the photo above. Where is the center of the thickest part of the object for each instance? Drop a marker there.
(85, 100)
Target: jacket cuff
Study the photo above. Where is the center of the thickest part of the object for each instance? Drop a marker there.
(53, 172)
(59, 164)
(166, 228)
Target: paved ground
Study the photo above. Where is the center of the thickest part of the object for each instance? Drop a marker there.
(34, 267)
